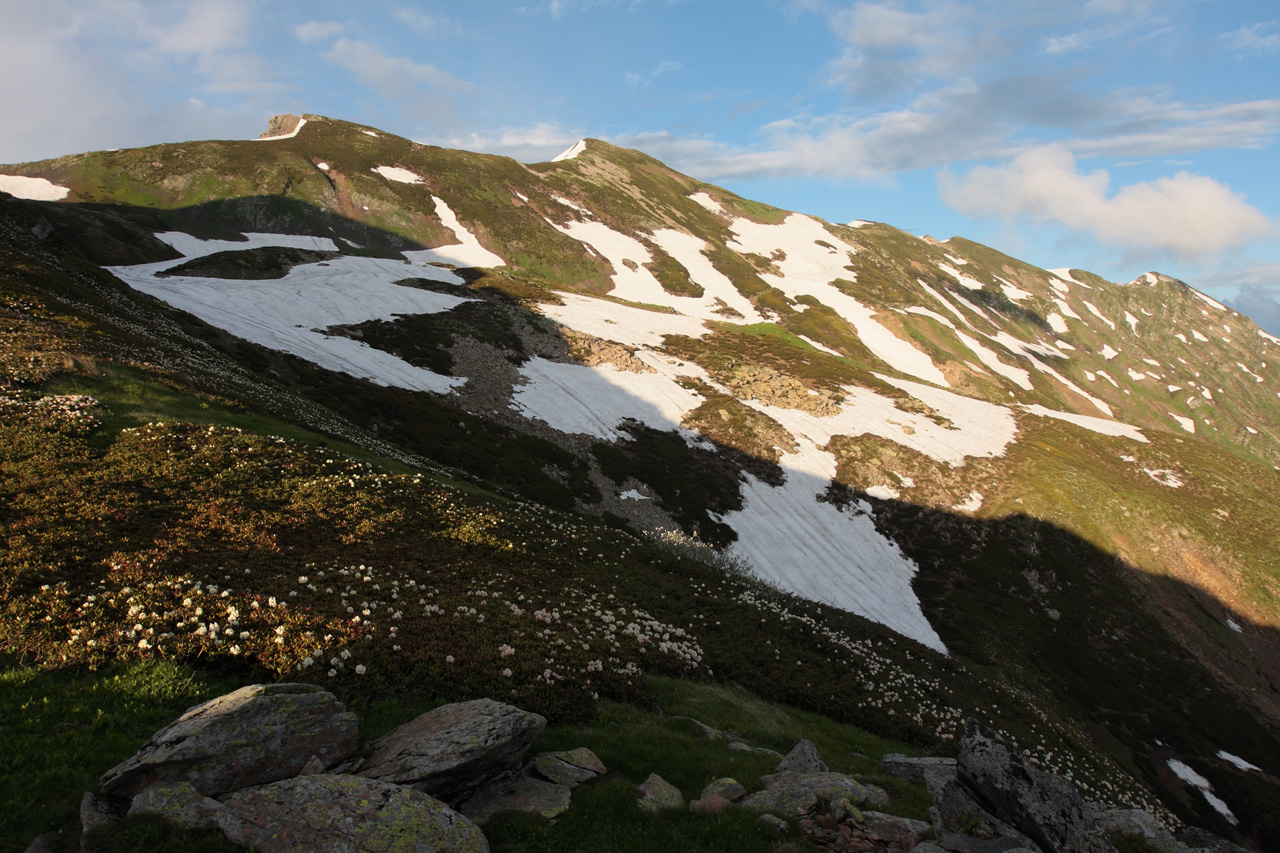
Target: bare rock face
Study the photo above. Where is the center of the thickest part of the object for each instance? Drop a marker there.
(344, 814)
(454, 750)
(177, 802)
(803, 758)
(257, 734)
(731, 789)
(1043, 806)
(933, 773)
(280, 125)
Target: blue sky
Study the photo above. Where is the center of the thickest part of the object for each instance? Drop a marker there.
(1111, 135)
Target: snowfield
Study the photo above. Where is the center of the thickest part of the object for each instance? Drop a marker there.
(34, 189)
(467, 253)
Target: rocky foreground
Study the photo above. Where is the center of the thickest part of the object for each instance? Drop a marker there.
(276, 767)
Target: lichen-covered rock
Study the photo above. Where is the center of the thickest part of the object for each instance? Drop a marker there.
(898, 832)
(730, 789)
(97, 810)
(572, 767)
(454, 750)
(933, 773)
(803, 758)
(177, 802)
(345, 814)
(775, 824)
(657, 794)
(1044, 806)
(712, 804)
(547, 800)
(251, 736)
(791, 794)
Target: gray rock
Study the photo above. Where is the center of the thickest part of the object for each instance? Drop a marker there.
(547, 800)
(704, 731)
(98, 811)
(1043, 806)
(344, 814)
(792, 794)
(803, 758)
(657, 794)
(775, 824)
(572, 767)
(254, 735)
(739, 746)
(901, 832)
(1139, 823)
(933, 773)
(728, 788)
(177, 802)
(961, 818)
(960, 843)
(1202, 839)
(454, 750)
(843, 810)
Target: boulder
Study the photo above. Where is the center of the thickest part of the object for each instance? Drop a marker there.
(933, 773)
(177, 802)
(964, 825)
(251, 736)
(902, 833)
(657, 794)
(344, 814)
(712, 804)
(793, 794)
(728, 788)
(572, 767)
(803, 758)
(775, 824)
(454, 750)
(739, 746)
(97, 811)
(1041, 805)
(1201, 840)
(547, 800)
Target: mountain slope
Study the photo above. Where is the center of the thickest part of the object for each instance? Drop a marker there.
(1058, 478)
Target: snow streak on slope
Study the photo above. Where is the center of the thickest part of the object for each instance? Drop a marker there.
(1098, 425)
(290, 314)
(612, 321)
(823, 554)
(571, 152)
(808, 269)
(468, 252)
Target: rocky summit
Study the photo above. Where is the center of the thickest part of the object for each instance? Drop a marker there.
(333, 405)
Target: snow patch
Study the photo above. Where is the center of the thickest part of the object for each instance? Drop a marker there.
(966, 281)
(1057, 323)
(1099, 314)
(859, 223)
(1132, 321)
(817, 551)
(572, 151)
(1016, 375)
(574, 398)
(1108, 353)
(1235, 759)
(466, 253)
(1256, 377)
(709, 203)
(971, 504)
(884, 493)
(1191, 777)
(397, 174)
(1164, 477)
(35, 189)
(624, 324)
(1186, 423)
(1065, 273)
(1269, 337)
(1209, 299)
(633, 495)
(194, 247)
(1098, 425)
(1195, 333)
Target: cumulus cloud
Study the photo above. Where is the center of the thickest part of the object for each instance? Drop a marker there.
(1259, 303)
(1190, 217)
(313, 31)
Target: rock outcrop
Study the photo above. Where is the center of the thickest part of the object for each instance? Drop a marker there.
(252, 736)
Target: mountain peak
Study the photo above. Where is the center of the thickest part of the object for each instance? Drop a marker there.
(571, 152)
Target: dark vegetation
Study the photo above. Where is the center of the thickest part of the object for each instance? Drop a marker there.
(266, 262)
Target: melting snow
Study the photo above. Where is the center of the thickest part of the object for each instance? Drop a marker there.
(1066, 309)
(1058, 324)
(1135, 375)
(966, 281)
(1108, 353)
(884, 493)
(859, 223)
(1195, 333)
(35, 189)
(467, 253)
(1255, 376)
(815, 550)
(1271, 338)
(972, 504)
(1099, 314)
(1215, 303)
(1017, 375)
(194, 247)
(1186, 423)
(1235, 759)
(324, 167)
(290, 314)
(1132, 321)
(1098, 425)
(1231, 623)
(574, 398)
(397, 174)
(1191, 777)
(369, 133)
(1011, 290)
(1164, 476)
(633, 495)
(571, 152)
(624, 324)
(709, 203)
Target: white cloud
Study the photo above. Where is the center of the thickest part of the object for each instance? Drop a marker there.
(633, 79)
(390, 76)
(423, 22)
(535, 143)
(313, 31)
(1187, 216)
(1254, 38)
